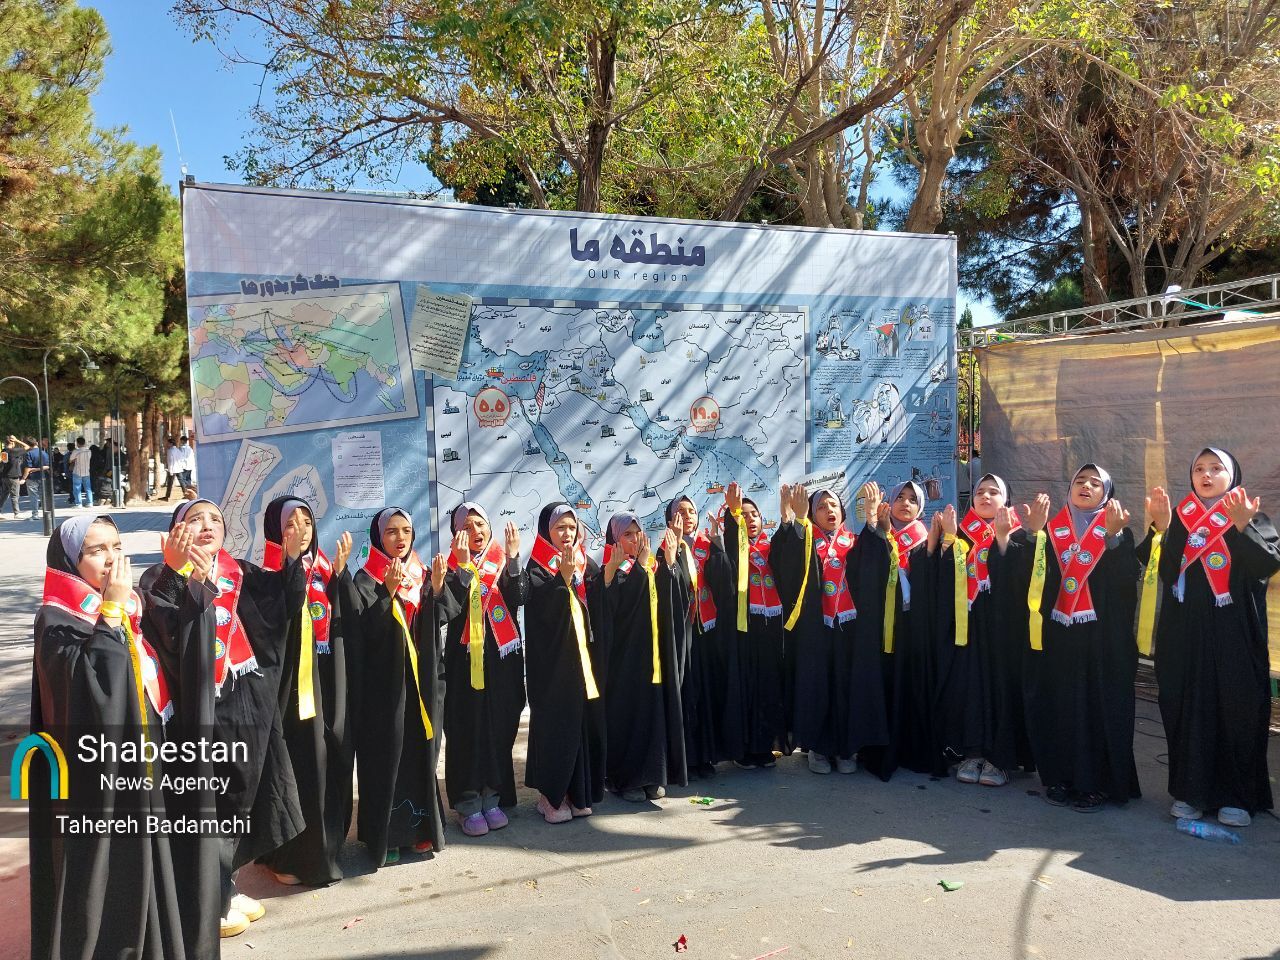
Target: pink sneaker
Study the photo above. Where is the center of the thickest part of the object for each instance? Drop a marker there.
(475, 825)
(496, 818)
(551, 814)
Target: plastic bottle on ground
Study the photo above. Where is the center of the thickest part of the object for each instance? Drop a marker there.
(1207, 831)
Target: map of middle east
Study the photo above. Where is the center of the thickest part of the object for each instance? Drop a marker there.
(269, 366)
(620, 407)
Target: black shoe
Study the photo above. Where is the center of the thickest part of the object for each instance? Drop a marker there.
(1058, 795)
(1089, 802)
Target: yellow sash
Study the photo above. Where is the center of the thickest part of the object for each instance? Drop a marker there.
(891, 594)
(744, 562)
(475, 627)
(398, 613)
(136, 662)
(580, 634)
(306, 660)
(1150, 588)
(1035, 593)
(960, 560)
(649, 569)
(804, 581)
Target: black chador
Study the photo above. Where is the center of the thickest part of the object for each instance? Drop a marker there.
(564, 660)
(95, 674)
(1082, 659)
(484, 670)
(313, 704)
(247, 628)
(1211, 647)
(399, 688)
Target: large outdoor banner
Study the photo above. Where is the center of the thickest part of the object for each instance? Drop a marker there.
(361, 351)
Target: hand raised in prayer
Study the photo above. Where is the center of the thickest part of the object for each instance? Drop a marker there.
(733, 496)
(949, 521)
(871, 497)
(439, 567)
(1240, 508)
(394, 576)
(1036, 514)
(670, 545)
(462, 547)
(342, 552)
(512, 537)
(1115, 517)
(1159, 509)
(201, 559)
(119, 585)
(175, 544)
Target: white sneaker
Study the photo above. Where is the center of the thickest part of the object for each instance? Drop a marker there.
(992, 776)
(1234, 817)
(846, 764)
(1184, 811)
(818, 763)
(249, 907)
(969, 771)
(234, 923)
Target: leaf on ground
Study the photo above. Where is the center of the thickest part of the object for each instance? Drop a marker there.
(703, 801)
(951, 885)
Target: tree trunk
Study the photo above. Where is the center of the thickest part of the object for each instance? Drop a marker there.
(1097, 263)
(925, 214)
(137, 459)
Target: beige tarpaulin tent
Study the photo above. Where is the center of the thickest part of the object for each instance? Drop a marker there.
(1141, 404)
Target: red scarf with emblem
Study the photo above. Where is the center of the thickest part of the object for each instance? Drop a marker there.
(1077, 559)
(490, 564)
(548, 558)
(982, 535)
(318, 571)
(762, 591)
(1206, 529)
(831, 550)
(76, 597)
(908, 538)
(701, 551)
(232, 652)
(410, 591)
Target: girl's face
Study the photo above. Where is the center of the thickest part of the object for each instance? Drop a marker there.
(564, 532)
(1087, 490)
(98, 554)
(754, 522)
(629, 542)
(300, 520)
(477, 528)
(204, 520)
(397, 537)
(987, 499)
(686, 519)
(1210, 477)
(827, 512)
(906, 507)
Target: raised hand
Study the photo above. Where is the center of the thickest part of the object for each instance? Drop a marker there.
(784, 503)
(439, 567)
(1240, 508)
(799, 501)
(119, 585)
(733, 497)
(1116, 517)
(202, 560)
(882, 517)
(935, 531)
(948, 520)
(715, 525)
(512, 538)
(1002, 524)
(292, 541)
(462, 547)
(394, 576)
(1159, 509)
(342, 552)
(174, 545)
(1036, 514)
(869, 494)
(670, 544)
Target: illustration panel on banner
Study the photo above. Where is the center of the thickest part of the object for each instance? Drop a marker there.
(621, 406)
(264, 366)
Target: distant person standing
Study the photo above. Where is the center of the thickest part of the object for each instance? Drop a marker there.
(11, 466)
(81, 492)
(172, 457)
(186, 463)
(34, 466)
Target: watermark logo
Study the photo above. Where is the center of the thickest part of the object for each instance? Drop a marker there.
(33, 745)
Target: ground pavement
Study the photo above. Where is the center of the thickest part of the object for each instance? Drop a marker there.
(783, 863)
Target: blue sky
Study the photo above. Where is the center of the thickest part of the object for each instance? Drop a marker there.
(155, 67)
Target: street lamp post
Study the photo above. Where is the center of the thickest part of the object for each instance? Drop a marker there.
(48, 519)
(49, 514)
